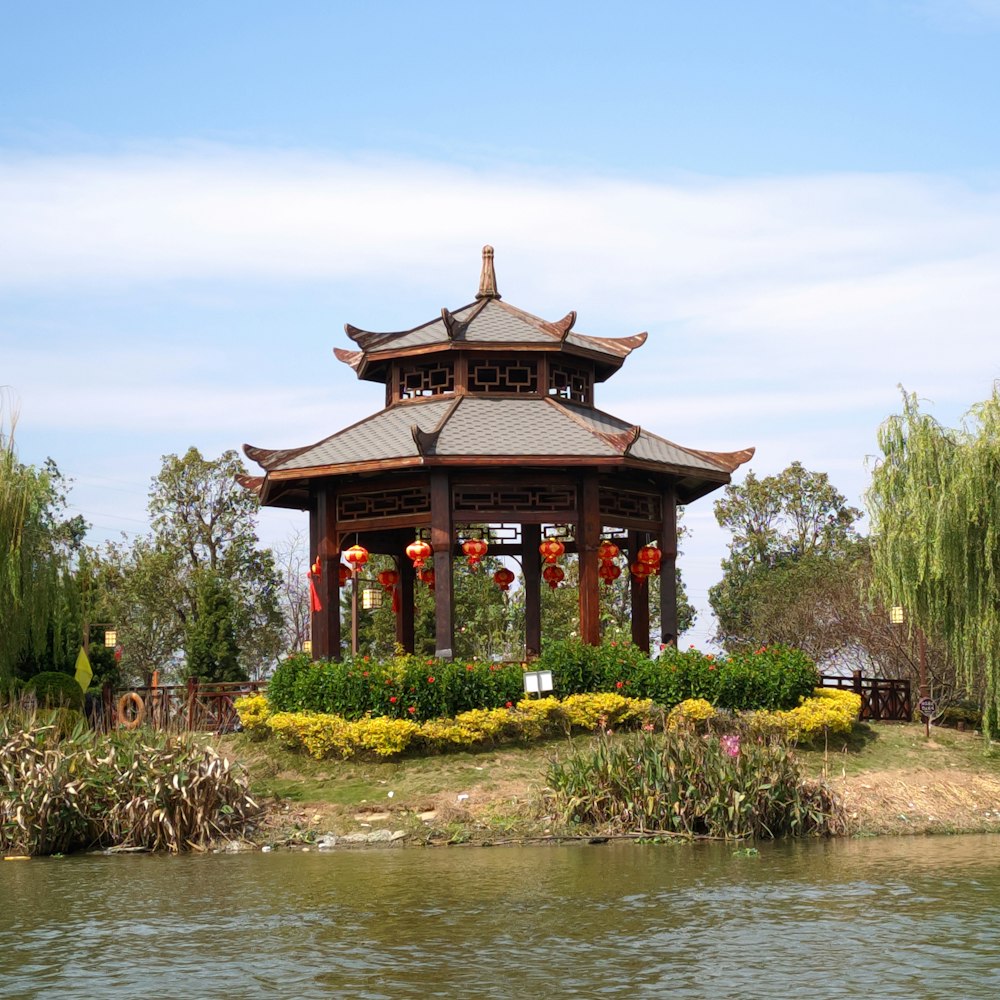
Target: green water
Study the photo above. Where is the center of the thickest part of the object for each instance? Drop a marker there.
(915, 918)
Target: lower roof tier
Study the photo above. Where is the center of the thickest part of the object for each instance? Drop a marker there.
(477, 431)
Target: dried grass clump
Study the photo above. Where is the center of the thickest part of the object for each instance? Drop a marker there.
(143, 790)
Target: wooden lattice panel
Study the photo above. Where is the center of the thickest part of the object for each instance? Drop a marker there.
(525, 498)
(503, 376)
(385, 503)
(630, 505)
(569, 382)
(426, 380)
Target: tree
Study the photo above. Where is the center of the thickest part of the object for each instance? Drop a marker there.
(786, 529)
(204, 527)
(211, 650)
(935, 510)
(39, 604)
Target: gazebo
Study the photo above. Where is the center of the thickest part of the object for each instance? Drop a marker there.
(489, 418)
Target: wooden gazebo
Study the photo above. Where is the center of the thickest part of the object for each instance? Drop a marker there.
(489, 418)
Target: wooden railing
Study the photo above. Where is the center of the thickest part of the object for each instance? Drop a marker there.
(192, 707)
(882, 699)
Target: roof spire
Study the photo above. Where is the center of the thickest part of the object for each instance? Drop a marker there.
(488, 277)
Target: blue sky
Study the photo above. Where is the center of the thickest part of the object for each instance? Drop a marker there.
(799, 201)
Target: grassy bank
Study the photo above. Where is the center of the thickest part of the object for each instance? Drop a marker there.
(891, 779)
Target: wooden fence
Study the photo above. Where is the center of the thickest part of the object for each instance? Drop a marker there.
(882, 700)
(191, 707)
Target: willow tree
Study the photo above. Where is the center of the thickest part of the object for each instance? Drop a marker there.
(29, 576)
(935, 508)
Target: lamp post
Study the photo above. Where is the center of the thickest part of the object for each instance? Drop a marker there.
(896, 617)
(371, 598)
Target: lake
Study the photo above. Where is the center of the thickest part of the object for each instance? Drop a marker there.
(906, 917)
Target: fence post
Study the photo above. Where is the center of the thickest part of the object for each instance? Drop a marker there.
(192, 694)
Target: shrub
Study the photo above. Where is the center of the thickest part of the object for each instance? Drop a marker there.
(680, 782)
(829, 710)
(773, 677)
(695, 712)
(56, 690)
(254, 710)
(325, 736)
(148, 790)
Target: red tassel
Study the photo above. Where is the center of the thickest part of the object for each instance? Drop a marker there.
(315, 604)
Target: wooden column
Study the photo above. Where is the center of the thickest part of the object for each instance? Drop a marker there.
(325, 545)
(668, 568)
(441, 542)
(639, 592)
(588, 537)
(404, 620)
(531, 538)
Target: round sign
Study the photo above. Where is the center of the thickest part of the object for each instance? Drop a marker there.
(927, 707)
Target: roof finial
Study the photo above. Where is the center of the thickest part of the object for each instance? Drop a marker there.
(488, 277)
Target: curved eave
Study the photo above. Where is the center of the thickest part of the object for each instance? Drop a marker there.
(290, 488)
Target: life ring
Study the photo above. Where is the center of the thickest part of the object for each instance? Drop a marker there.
(131, 698)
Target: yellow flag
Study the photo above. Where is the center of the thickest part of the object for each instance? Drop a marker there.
(83, 671)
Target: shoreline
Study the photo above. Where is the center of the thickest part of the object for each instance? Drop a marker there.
(890, 780)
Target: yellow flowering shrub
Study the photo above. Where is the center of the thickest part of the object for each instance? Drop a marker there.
(445, 734)
(693, 712)
(539, 716)
(254, 710)
(829, 710)
(325, 736)
(589, 711)
(383, 736)
(489, 725)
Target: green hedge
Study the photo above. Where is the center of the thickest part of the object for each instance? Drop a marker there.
(419, 688)
(56, 690)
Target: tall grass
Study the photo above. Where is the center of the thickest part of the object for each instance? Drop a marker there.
(731, 786)
(63, 791)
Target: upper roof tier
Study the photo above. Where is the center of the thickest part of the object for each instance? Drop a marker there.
(486, 325)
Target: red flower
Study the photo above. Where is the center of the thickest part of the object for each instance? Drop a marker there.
(430, 680)
(411, 710)
(510, 704)
(365, 658)
(392, 700)
(365, 674)
(388, 680)
(711, 666)
(618, 684)
(469, 667)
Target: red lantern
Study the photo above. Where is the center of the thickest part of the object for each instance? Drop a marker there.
(419, 551)
(650, 555)
(474, 549)
(388, 578)
(553, 575)
(640, 571)
(609, 571)
(344, 573)
(356, 556)
(607, 551)
(552, 549)
(427, 576)
(503, 578)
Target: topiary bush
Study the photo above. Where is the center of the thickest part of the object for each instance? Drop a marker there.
(55, 690)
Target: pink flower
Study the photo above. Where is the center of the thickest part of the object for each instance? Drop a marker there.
(731, 744)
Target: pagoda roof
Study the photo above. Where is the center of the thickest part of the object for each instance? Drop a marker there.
(472, 430)
(486, 324)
